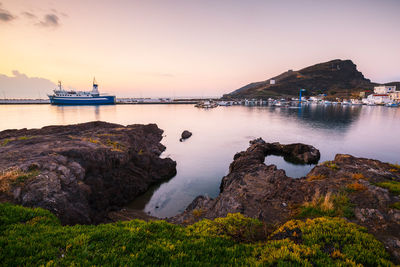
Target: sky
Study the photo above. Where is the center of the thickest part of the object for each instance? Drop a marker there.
(181, 48)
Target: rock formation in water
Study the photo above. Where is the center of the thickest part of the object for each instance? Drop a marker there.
(336, 78)
(349, 187)
(185, 135)
(81, 172)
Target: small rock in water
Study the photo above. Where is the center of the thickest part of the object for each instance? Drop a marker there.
(185, 135)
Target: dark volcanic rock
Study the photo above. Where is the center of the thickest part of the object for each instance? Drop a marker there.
(185, 135)
(81, 172)
(266, 193)
(336, 77)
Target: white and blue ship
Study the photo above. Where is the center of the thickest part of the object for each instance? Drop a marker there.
(71, 97)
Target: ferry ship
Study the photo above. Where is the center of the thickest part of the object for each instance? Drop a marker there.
(71, 97)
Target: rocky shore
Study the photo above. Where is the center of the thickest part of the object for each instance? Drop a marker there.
(81, 172)
(86, 173)
(361, 190)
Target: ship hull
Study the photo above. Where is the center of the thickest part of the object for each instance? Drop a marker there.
(98, 100)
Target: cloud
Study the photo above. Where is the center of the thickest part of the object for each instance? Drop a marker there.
(5, 15)
(49, 20)
(21, 86)
(29, 15)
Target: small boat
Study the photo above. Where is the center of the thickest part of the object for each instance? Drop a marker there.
(224, 103)
(71, 97)
(356, 102)
(392, 105)
(206, 104)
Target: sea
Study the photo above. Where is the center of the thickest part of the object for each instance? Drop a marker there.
(218, 133)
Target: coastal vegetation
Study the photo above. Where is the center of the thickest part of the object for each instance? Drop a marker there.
(332, 205)
(396, 205)
(14, 177)
(6, 141)
(35, 237)
(331, 165)
(392, 186)
(316, 177)
(358, 176)
(353, 187)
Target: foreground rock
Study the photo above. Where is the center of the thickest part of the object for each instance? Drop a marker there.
(185, 135)
(81, 172)
(266, 193)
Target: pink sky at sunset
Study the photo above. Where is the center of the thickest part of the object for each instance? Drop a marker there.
(188, 48)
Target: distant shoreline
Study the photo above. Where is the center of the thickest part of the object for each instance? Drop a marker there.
(119, 102)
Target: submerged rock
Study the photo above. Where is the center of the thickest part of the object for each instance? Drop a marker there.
(81, 172)
(185, 135)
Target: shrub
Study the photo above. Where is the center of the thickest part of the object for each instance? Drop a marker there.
(395, 205)
(14, 176)
(5, 142)
(35, 237)
(235, 226)
(331, 165)
(333, 241)
(197, 213)
(395, 166)
(316, 177)
(356, 187)
(94, 141)
(358, 176)
(392, 186)
(115, 145)
(333, 205)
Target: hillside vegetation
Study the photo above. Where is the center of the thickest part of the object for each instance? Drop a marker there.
(336, 78)
(35, 237)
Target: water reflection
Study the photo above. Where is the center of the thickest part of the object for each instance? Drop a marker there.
(219, 133)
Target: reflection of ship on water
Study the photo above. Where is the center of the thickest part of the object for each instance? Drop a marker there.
(71, 97)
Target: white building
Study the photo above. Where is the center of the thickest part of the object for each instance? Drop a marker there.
(383, 89)
(379, 99)
(395, 96)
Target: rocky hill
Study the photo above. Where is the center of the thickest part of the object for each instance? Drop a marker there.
(338, 78)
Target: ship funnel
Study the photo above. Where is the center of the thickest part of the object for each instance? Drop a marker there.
(95, 87)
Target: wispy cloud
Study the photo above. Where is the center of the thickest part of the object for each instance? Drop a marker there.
(29, 15)
(5, 15)
(49, 20)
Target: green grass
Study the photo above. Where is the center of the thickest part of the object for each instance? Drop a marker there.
(35, 237)
(395, 205)
(331, 165)
(5, 142)
(115, 145)
(336, 205)
(392, 186)
(25, 176)
(395, 166)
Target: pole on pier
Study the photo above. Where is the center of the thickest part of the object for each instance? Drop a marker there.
(301, 91)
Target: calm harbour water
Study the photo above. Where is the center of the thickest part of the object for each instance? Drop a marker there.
(219, 133)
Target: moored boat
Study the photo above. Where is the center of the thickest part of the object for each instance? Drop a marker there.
(71, 97)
